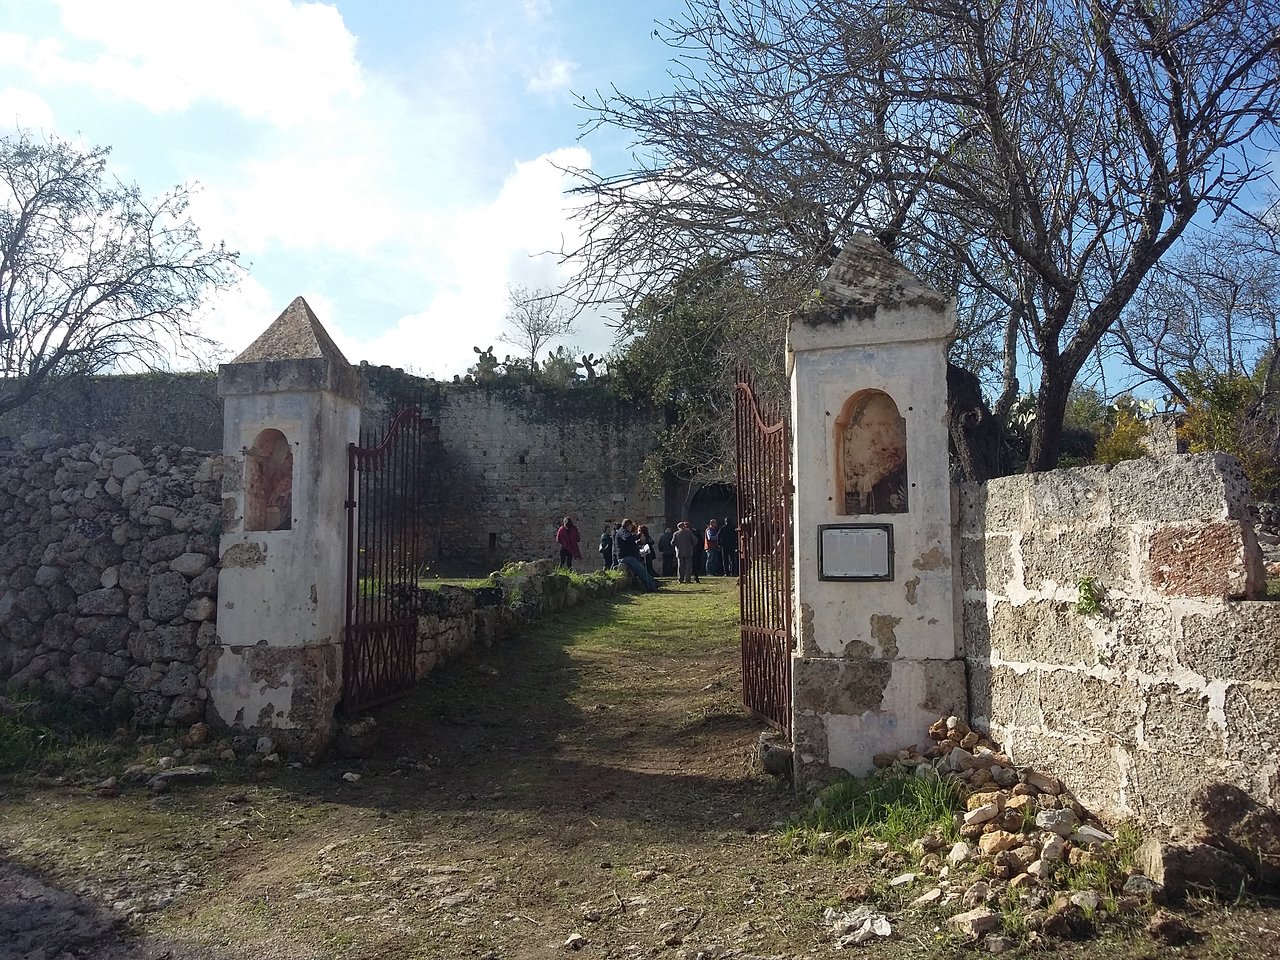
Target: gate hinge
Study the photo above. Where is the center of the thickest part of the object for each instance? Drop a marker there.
(348, 504)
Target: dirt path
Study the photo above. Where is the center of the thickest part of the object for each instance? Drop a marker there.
(594, 779)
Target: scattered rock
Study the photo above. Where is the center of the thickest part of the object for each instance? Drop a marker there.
(1061, 822)
(1139, 886)
(998, 944)
(180, 776)
(1180, 868)
(960, 853)
(351, 777)
(975, 923)
(576, 941)
(928, 897)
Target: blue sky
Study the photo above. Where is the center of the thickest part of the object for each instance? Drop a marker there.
(391, 161)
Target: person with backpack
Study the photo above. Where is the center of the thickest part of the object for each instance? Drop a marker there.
(715, 561)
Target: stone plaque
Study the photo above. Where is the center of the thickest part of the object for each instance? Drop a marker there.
(855, 551)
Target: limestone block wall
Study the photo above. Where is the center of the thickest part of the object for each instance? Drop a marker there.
(514, 460)
(108, 573)
(1168, 680)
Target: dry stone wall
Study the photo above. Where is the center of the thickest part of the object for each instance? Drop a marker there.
(1110, 633)
(511, 461)
(452, 619)
(108, 573)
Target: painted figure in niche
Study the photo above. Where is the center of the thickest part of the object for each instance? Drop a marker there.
(872, 443)
(271, 489)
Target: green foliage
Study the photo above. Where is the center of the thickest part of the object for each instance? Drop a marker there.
(1088, 596)
(680, 352)
(1122, 440)
(38, 727)
(1239, 415)
(888, 808)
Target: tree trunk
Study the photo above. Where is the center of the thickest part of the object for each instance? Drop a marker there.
(1051, 409)
(975, 432)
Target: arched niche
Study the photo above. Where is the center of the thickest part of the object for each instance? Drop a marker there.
(268, 495)
(871, 456)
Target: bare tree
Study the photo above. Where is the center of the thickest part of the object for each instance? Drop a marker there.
(92, 276)
(1038, 157)
(1215, 306)
(535, 319)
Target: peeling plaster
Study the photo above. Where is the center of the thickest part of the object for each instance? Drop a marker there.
(911, 586)
(244, 555)
(933, 559)
(882, 627)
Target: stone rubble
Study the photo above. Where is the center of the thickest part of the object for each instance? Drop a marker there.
(1020, 829)
(1266, 523)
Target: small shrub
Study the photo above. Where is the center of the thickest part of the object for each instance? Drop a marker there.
(1123, 439)
(893, 808)
(1088, 596)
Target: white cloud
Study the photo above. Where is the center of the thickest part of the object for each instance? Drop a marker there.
(536, 9)
(552, 76)
(21, 109)
(504, 242)
(270, 60)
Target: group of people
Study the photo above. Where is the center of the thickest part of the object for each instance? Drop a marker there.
(682, 552)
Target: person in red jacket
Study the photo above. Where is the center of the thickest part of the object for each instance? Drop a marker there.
(567, 536)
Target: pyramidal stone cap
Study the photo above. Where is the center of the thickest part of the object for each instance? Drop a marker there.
(297, 334)
(295, 353)
(866, 298)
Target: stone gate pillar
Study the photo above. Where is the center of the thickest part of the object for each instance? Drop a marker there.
(877, 657)
(291, 406)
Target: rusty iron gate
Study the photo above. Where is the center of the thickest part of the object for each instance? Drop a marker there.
(384, 554)
(764, 544)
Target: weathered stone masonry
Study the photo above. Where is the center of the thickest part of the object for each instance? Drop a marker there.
(512, 459)
(1173, 682)
(108, 573)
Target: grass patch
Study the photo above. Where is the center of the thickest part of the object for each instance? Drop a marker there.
(893, 809)
(37, 729)
(1273, 588)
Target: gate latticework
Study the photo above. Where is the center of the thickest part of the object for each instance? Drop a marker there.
(384, 555)
(764, 543)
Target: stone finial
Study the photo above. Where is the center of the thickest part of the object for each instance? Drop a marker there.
(297, 334)
(869, 297)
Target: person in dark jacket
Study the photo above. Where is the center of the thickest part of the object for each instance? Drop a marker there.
(667, 552)
(647, 548)
(729, 547)
(627, 551)
(606, 546)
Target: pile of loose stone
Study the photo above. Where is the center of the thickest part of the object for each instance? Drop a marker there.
(1266, 520)
(1020, 831)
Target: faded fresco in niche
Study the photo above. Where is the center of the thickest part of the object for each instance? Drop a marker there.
(268, 492)
(871, 455)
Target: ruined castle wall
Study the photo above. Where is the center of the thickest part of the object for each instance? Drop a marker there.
(512, 458)
(108, 574)
(1109, 635)
(181, 408)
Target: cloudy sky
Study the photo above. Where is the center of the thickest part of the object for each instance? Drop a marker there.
(393, 161)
